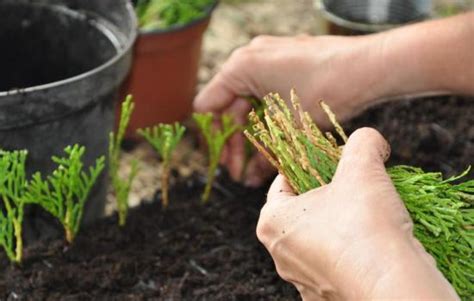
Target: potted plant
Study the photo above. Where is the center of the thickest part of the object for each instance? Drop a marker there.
(167, 53)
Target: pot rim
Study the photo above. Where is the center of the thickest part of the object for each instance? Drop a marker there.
(120, 53)
(181, 27)
(320, 6)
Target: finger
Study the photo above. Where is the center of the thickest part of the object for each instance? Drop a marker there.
(233, 156)
(236, 156)
(279, 190)
(258, 171)
(227, 85)
(225, 156)
(364, 154)
(239, 110)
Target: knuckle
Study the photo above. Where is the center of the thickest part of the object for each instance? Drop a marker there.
(303, 37)
(240, 56)
(264, 230)
(281, 261)
(283, 273)
(260, 40)
(265, 226)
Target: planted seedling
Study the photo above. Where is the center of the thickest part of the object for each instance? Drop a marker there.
(12, 192)
(64, 193)
(164, 138)
(442, 210)
(215, 138)
(159, 14)
(120, 186)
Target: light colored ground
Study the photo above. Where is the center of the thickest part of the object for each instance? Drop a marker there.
(235, 24)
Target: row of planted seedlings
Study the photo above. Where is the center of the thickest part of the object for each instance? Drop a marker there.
(65, 191)
(442, 209)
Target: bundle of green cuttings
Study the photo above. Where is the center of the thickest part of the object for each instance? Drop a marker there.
(442, 209)
(161, 14)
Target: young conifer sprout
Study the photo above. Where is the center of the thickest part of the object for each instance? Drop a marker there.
(215, 138)
(121, 186)
(64, 193)
(12, 192)
(164, 138)
(442, 210)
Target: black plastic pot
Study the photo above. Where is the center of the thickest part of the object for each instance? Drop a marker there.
(62, 63)
(354, 17)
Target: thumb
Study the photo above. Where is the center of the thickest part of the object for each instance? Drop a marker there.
(363, 157)
(223, 89)
(215, 96)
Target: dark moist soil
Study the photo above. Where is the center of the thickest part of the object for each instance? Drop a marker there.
(195, 252)
(434, 133)
(189, 252)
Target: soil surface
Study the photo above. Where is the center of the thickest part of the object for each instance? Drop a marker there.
(196, 252)
(434, 133)
(189, 252)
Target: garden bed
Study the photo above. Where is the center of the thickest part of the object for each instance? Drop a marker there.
(434, 133)
(196, 252)
(188, 252)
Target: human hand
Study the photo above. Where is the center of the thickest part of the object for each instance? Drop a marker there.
(329, 68)
(351, 239)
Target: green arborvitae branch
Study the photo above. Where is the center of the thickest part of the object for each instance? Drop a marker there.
(121, 187)
(12, 192)
(155, 14)
(164, 138)
(442, 211)
(64, 193)
(215, 139)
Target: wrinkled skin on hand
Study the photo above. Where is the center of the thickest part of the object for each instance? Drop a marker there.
(351, 239)
(312, 65)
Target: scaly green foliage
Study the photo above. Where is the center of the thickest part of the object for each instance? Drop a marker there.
(160, 14)
(64, 193)
(215, 139)
(443, 216)
(120, 186)
(12, 192)
(442, 211)
(164, 138)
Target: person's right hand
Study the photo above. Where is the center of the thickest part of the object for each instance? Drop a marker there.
(318, 67)
(353, 238)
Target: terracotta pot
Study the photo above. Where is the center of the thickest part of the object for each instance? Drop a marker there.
(164, 74)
